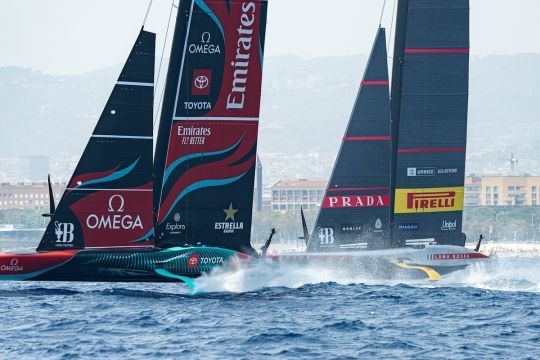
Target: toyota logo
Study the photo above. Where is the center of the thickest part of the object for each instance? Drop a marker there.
(201, 82)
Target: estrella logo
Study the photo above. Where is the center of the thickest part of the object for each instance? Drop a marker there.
(429, 200)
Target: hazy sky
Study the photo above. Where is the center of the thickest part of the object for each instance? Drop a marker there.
(74, 36)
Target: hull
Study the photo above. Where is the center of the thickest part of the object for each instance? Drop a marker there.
(117, 265)
(184, 264)
(431, 261)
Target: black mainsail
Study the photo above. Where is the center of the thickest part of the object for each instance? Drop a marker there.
(355, 213)
(207, 140)
(429, 114)
(108, 201)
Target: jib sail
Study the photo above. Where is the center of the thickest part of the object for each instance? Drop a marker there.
(108, 201)
(355, 213)
(429, 109)
(207, 139)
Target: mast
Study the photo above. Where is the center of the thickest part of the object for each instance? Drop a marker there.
(395, 96)
(356, 208)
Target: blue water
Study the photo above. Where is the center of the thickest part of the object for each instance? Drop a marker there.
(488, 311)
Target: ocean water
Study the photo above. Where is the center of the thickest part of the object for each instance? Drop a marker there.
(487, 311)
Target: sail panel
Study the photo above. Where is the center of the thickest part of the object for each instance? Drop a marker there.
(355, 211)
(205, 181)
(108, 201)
(432, 126)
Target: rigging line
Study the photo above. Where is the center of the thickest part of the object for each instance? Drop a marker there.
(161, 63)
(391, 29)
(382, 13)
(147, 12)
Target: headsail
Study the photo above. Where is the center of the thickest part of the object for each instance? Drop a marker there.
(355, 210)
(429, 111)
(108, 201)
(207, 140)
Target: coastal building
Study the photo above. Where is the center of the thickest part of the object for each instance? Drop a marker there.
(510, 190)
(33, 195)
(290, 195)
(473, 191)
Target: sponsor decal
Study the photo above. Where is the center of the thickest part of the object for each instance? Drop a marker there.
(429, 200)
(216, 260)
(175, 228)
(351, 228)
(240, 64)
(193, 135)
(64, 232)
(421, 171)
(356, 201)
(193, 261)
(449, 225)
(12, 267)
(201, 83)
(456, 256)
(378, 225)
(408, 227)
(447, 171)
(115, 219)
(205, 46)
(326, 235)
(229, 225)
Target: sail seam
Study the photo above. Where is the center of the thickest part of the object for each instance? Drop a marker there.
(123, 137)
(367, 138)
(424, 150)
(134, 83)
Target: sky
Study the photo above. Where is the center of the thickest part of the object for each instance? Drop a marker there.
(77, 36)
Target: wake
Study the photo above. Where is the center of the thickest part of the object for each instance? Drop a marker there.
(503, 274)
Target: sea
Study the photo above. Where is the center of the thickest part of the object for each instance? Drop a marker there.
(487, 311)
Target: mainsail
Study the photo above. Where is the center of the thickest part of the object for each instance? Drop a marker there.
(207, 140)
(429, 114)
(108, 201)
(355, 213)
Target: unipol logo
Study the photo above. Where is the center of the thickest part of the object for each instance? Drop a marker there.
(201, 84)
(326, 236)
(448, 225)
(115, 219)
(193, 261)
(64, 232)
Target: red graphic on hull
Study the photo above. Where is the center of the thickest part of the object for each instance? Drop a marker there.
(14, 264)
(237, 136)
(115, 218)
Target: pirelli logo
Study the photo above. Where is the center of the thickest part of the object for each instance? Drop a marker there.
(429, 200)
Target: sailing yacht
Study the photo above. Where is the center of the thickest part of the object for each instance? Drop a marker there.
(127, 217)
(395, 195)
